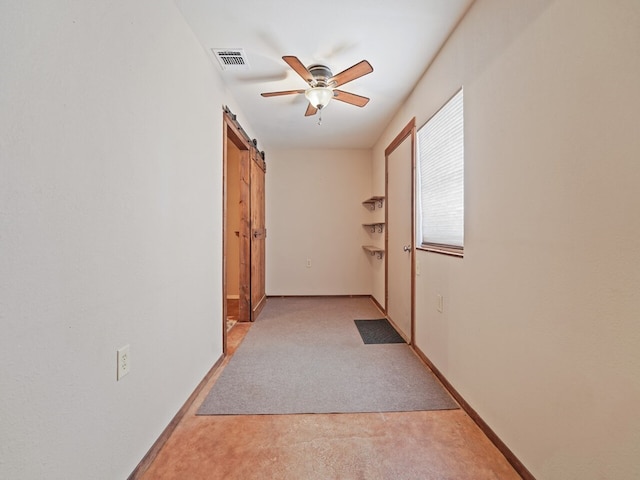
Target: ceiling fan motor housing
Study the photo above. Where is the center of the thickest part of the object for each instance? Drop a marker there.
(321, 74)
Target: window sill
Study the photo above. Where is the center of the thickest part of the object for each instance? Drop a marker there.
(443, 250)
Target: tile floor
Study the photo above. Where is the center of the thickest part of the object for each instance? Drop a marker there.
(435, 445)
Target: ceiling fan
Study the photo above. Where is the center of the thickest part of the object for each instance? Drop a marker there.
(322, 84)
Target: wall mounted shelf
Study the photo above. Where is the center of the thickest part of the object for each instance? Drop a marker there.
(373, 250)
(375, 226)
(373, 201)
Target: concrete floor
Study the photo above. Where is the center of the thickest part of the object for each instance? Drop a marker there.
(444, 444)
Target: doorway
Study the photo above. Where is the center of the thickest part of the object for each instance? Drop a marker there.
(399, 239)
(244, 232)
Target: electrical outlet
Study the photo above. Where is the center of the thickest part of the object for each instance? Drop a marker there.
(440, 303)
(308, 263)
(124, 362)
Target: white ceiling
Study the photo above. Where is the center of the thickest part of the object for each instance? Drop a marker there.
(398, 37)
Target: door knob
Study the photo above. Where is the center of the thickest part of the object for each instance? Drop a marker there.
(407, 248)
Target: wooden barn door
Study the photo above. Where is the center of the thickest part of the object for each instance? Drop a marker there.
(258, 234)
(244, 305)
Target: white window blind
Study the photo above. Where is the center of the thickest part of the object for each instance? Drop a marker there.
(441, 175)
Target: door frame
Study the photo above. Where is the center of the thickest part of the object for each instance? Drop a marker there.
(232, 132)
(408, 131)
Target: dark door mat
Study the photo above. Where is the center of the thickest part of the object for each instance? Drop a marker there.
(378, 331)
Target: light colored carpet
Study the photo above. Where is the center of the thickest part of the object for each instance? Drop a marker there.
(305, 355)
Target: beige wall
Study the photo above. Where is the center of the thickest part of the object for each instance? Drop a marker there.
(314, 211)
(110, 231)
(541, 331)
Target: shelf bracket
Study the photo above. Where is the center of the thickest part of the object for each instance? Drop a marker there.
(372, 202)
(373, 251)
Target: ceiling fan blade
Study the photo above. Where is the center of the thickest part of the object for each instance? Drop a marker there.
(311, 110)
(351, 73)
(286, 92)
(352, 98)
(299, 68)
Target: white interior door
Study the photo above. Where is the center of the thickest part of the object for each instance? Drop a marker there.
(399, 249)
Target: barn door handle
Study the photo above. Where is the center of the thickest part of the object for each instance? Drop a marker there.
(259, 233)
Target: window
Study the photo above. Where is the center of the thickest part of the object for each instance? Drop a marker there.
(440, 178)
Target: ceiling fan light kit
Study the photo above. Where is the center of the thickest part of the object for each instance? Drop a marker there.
(323, 84)
(319, 97)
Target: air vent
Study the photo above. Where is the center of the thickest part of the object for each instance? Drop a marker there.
(231, 58)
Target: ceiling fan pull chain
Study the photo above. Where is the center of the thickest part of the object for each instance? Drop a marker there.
(320, 117)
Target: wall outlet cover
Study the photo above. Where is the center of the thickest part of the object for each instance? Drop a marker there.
(124, 362)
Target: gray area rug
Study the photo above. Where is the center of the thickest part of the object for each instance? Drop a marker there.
(304, 355)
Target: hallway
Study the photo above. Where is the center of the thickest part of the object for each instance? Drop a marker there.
(443, 444)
